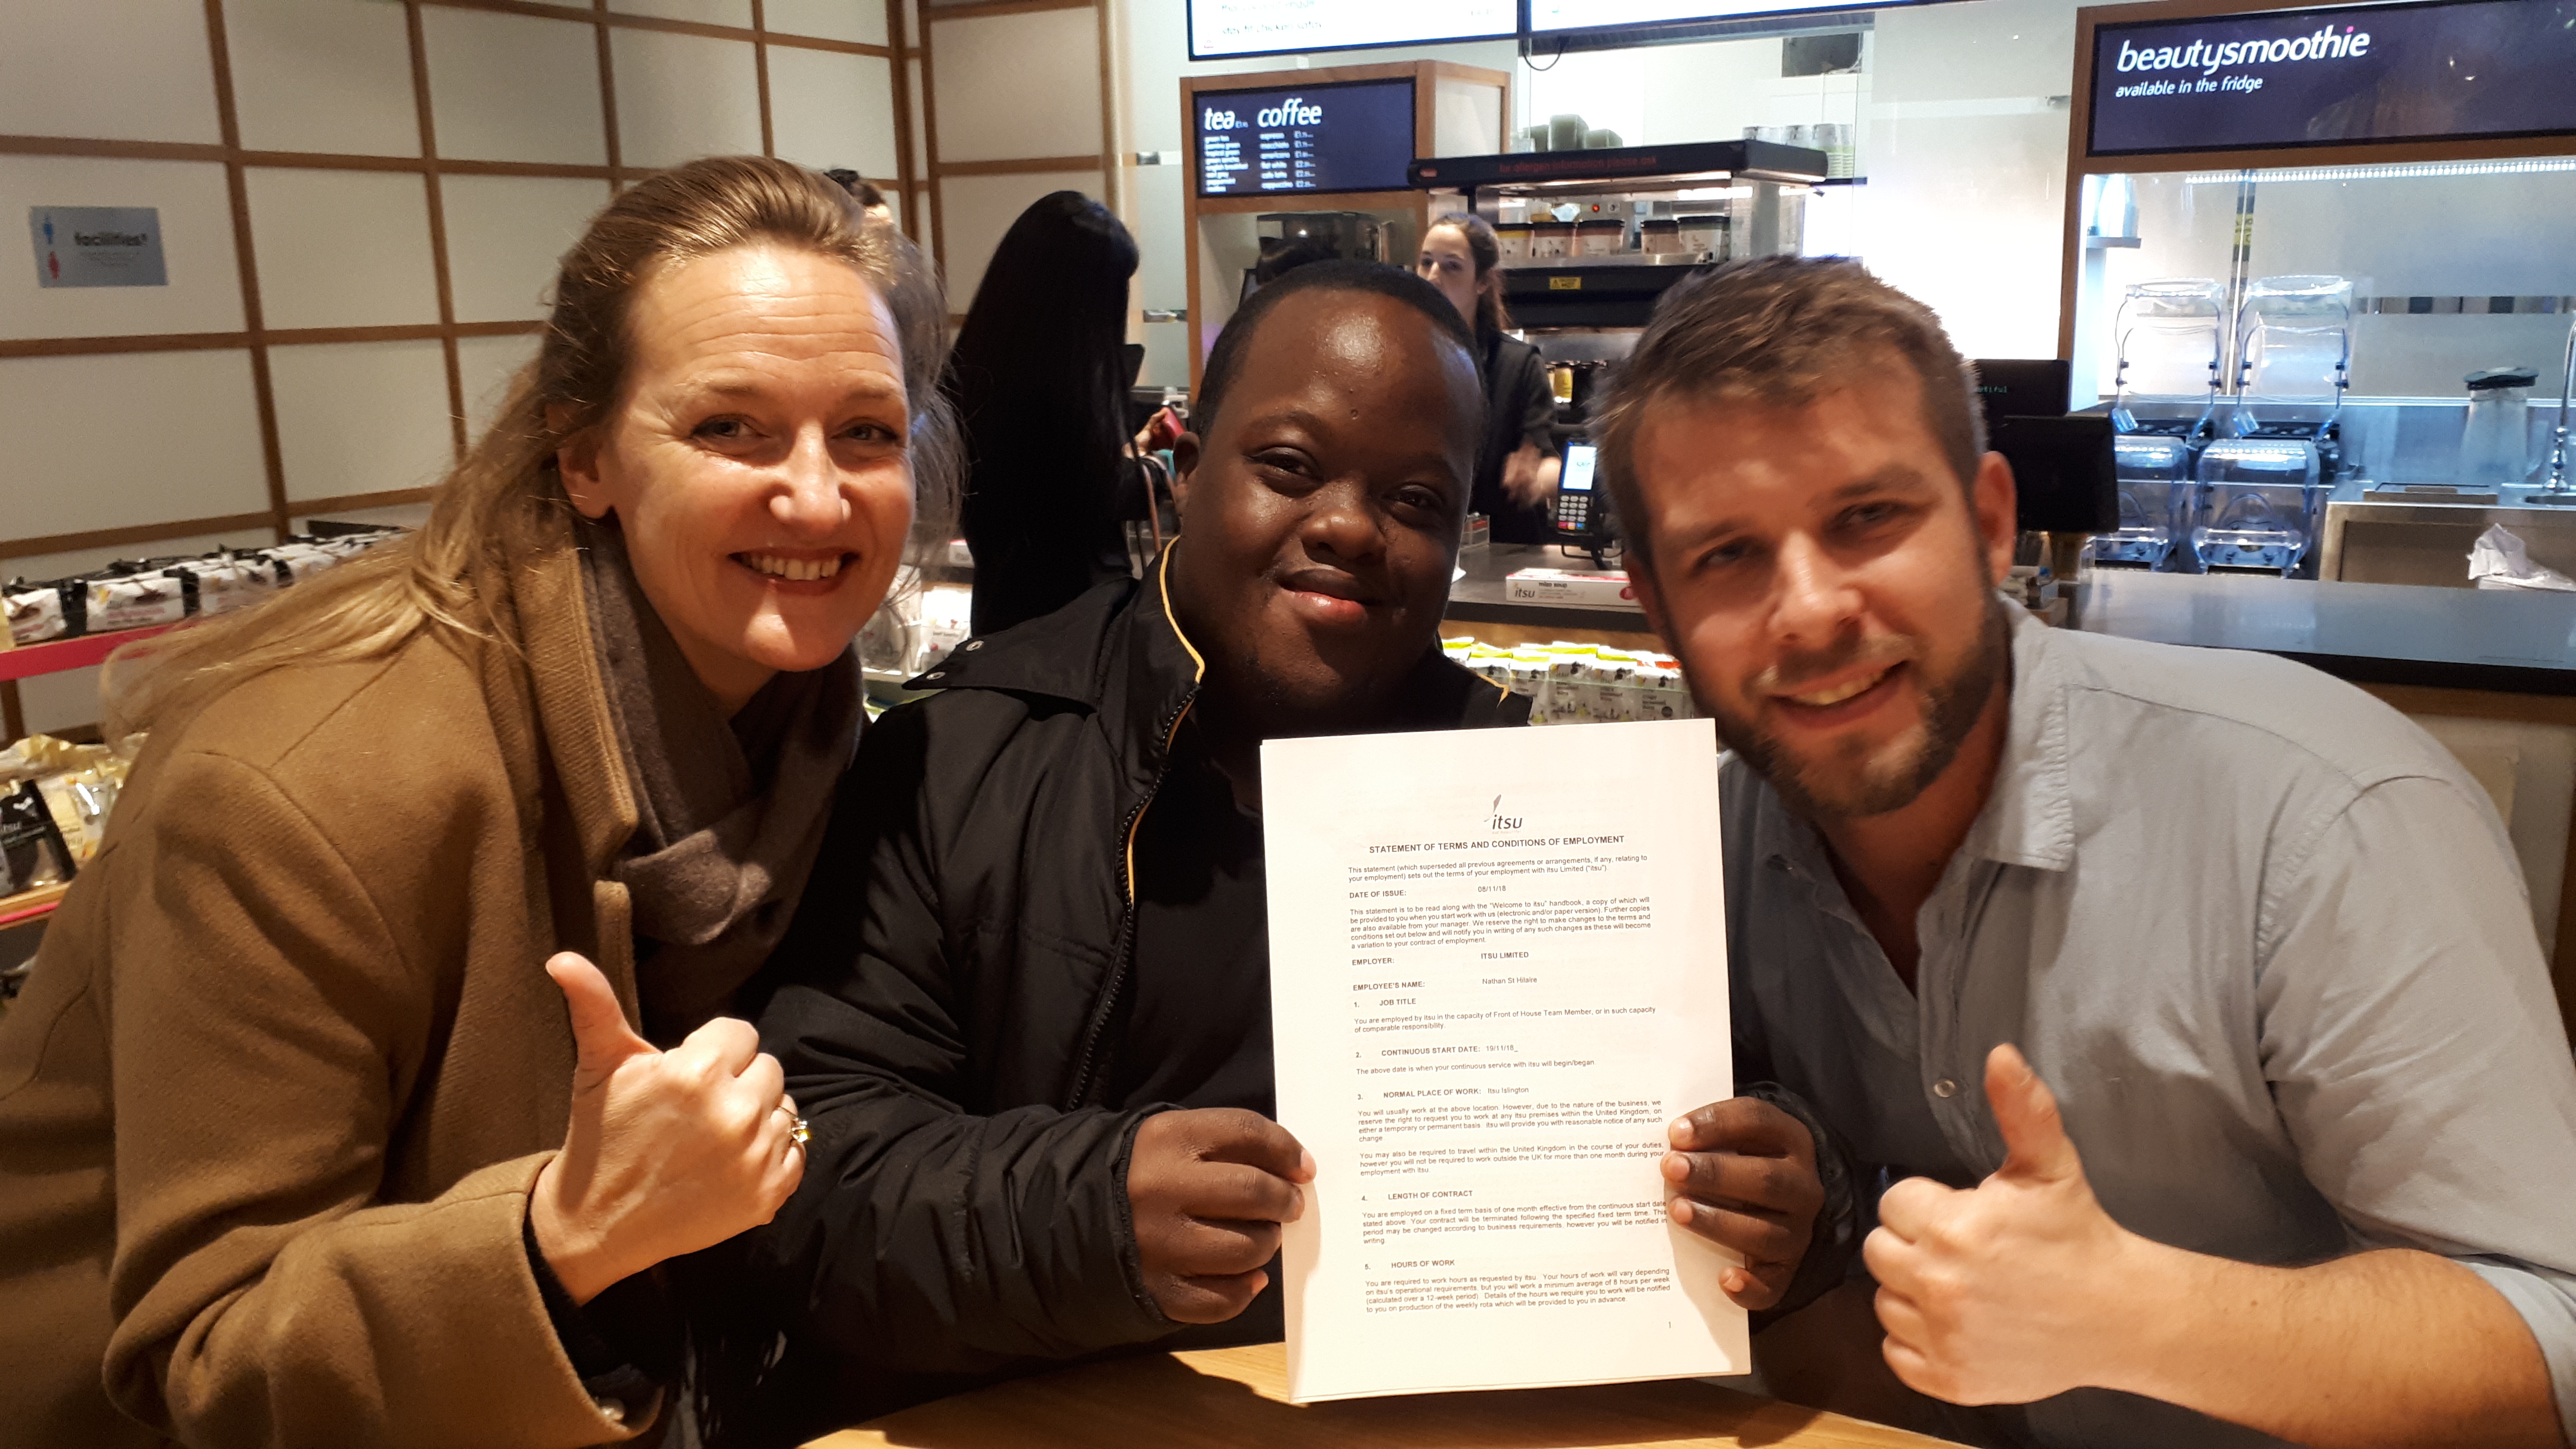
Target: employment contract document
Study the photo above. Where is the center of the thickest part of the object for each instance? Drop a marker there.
(1497, 972)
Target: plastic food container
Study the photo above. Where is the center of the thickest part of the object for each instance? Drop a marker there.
(1600, 238)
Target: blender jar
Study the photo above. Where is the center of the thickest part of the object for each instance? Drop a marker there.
(2495, 445)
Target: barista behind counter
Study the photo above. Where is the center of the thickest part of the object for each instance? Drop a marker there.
(1516, 467)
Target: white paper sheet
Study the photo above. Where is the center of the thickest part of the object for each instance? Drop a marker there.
(1497, 972)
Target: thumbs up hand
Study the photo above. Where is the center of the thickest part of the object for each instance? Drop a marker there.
(667, 1152)
(2010, 1291)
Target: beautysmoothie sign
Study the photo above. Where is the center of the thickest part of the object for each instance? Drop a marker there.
(2316, 77)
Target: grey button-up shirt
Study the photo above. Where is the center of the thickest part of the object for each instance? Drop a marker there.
(2266, 941)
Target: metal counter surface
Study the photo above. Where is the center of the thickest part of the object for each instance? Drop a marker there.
(2508, 642)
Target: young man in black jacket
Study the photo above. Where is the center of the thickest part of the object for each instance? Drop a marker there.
(1026, 1007)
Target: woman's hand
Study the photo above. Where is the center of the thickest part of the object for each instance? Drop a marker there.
(668, 1152)
(1529, 476)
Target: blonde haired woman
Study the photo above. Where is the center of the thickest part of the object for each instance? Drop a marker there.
(299, 1144)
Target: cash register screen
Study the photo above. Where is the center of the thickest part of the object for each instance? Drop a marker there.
(1350, 136)
(1577, 474)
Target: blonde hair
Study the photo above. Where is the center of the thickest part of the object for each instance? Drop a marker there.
(504, 506)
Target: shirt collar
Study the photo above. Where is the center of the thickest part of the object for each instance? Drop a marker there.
(2029, 816)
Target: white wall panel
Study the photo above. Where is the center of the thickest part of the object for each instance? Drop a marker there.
(486, 365)
(978, 209)
(684, 96)
(514, 87)
(1012, 86)
(342, 248)
(322, 75)
(125, 439)
(361, 417)
(705, 12)
(204, 294)
(118, 70)
(829, 108)
(861, 20)
(505, 235)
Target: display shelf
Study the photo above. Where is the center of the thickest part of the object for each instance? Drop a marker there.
(53, 657)
(28, 907)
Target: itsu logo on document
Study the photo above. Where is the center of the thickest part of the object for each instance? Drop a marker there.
(1496, 820)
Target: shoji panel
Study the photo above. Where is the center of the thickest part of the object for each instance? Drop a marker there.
(706, 12)
(831, 108)
(861, 20)
(1016, 86)
(505, 235)
(130, 438)
(487, 364)
(514, 87)
(342, 248)
(684, 96)
(122, 70)
(322, 75)
(361, 417)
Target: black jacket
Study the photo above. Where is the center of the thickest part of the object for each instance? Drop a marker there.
(946, 994)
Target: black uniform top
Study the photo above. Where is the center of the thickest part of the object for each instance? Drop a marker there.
(1518, 409)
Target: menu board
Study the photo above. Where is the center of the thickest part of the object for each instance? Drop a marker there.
(1348, 136)
(2323, 77)
(1221, 28)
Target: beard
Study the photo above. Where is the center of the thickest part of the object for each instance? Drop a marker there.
(1856, 780)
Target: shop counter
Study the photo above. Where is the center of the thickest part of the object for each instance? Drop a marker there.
(1236, 1398)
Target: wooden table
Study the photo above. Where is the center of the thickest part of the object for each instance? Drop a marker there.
(1237, 1398)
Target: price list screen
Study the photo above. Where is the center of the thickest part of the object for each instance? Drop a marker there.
(1351, 136)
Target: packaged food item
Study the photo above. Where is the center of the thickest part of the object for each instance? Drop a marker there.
(35, 612)
(1529, 675)
(225, 581)
(135, 601)
(1610, 676)
(32, 850)
(1569, 674)
(947, 620)
(293, 563)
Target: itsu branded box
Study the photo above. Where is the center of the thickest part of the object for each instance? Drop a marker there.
(1566, 586)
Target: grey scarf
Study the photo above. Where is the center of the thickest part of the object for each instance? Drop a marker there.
(731, 811)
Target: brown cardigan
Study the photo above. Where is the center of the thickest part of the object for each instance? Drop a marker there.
(289, 1062)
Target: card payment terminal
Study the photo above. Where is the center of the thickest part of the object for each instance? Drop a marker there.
(1578, 508)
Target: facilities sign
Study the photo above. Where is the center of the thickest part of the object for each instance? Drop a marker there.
(2416, 72)
(97, 246)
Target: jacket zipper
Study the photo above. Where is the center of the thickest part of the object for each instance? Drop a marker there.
(1125, 951)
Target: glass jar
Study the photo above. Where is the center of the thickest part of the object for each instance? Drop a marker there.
(2495, 444)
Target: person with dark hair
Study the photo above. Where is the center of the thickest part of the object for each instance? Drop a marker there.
(1040, 378)
(2185, 1002)
(872, 202)
(1516, 463)
(1029, 1019)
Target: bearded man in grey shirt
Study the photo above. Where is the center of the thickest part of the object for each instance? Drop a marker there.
(2189, 1001)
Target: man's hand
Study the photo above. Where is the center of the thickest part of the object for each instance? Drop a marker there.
(667, 1152)
(1209, 1190)
(2011, 1291)
(1744, 1176)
